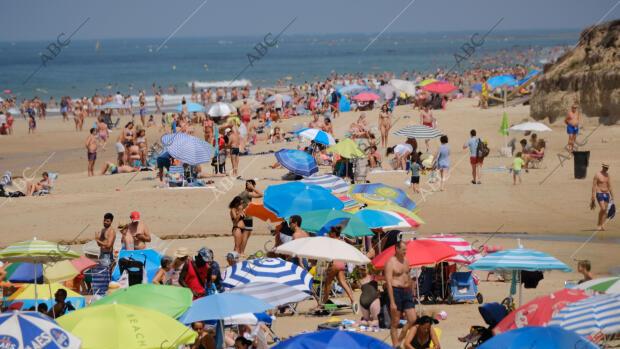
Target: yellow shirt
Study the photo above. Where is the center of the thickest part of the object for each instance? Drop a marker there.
(517, 164)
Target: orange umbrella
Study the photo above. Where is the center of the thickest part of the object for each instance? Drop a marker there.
(259, 211)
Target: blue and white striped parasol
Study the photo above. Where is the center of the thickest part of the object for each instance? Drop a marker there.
(273, 293)
(297, 161)
(418, 131)
(330, 182)
(317, 135)
(272, 270)
(31, 329)
(600, 313)
(188, 149)
(519, 259)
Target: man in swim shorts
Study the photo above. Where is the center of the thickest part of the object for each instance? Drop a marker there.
(572, 121)
(91, 151)
(601, 193)
(400, 292)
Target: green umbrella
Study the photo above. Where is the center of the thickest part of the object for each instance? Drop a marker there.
(603, 285)
(170, 300)
(503, 129)
(320, 221)
(347, 148)
(36, 251)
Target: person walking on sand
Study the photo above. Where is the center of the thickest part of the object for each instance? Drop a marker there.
(572, 121)
(246, 196)
(443, 161)
(427, 119)
(601, 193)
(400, 293)
(476, 163)
(385, 123)
(233, 143)
(91, 151)
(517, 165)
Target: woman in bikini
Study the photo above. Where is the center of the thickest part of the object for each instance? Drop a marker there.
(142, 145)
(385, 124)
(421, 335)
(237, 214)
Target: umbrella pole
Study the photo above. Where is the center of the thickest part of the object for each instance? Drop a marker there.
(520, 289)
(36, 295)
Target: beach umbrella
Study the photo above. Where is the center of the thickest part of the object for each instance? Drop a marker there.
(600, 313)
(379, 193)
(112, 105)
(407, 214)
(317, 135)
(297, 161)
(366, 97)
(222, 305)
(347, 148)
(320, 221)
(388, 91)
(249, 319)
(191, 107)
(609, 285)
(503, 128)
(405, 86)
(188, 149)
(419, 253)
(418, 131)
(352, 89)
(24, 273)
(125, 326)
(285, 98)
(151, 258)
(531, 127)
(220, 109)
(426, 82)
(30, 295)
(259, 211)
(377, 218)
(276, 294)
(539, 311)
(31, 329)
(502, 81)
(466, 254)
(519, 259)
(538, 338)
(170, 300)
(36, 251)
(268, 270)
(441, 87)
(333, 339)
(294, 197)
(330, 182)
(67, 269)
(323, 248)
(532, 73)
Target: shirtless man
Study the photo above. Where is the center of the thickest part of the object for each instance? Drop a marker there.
(105, 240)
(91, 151)
(427, 119)
(399, 288)
(572, 121)
(602, 193)
(137, 231)
(316, 122)
(295, 225)
(233, 143)
(103, 133)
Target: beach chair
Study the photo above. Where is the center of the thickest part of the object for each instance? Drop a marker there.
(332, 305)
(52, 177)
(100, 279)
(176, 176)
(537, 162)
(463, 288)
(361, 170)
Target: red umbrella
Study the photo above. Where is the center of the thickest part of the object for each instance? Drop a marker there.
(539, 311)
(366, 97)
(419, 252)
(440, 87)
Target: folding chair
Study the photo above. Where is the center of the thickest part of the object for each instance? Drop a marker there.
(176, 176)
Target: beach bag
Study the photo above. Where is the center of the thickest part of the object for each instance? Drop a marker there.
(482, 149)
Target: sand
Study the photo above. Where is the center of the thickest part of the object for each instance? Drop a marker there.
(549, 202)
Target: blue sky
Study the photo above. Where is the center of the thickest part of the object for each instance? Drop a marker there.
(44, 19)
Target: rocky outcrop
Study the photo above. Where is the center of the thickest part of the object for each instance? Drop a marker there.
(589, 74)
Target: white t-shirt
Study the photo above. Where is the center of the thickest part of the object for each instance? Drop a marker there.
(2, 119)
(403, 149)
(118, 99)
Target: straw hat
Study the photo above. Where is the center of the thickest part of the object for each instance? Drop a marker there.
(181, 252)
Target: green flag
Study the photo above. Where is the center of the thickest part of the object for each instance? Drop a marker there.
(503, 129)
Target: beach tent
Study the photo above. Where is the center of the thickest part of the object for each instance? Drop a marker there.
(151, 258)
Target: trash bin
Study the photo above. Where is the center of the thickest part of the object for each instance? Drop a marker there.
(581, 159)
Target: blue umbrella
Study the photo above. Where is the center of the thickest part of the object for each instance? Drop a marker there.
(191, 107)
(31, 329)
(551, 337)
(297, 161)
(332, 339)
(293, 198)
(529, 75)
(314, 134)
(152, 259)
(223, 305)
(502, 81)
(600, 313)
(352, 89)
(377, 219)
(268, 270)
(25, 272)
(188, 149)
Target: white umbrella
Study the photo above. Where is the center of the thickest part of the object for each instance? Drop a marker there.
(530, 126)
(405, 86)
(323, 248)
(220, 109)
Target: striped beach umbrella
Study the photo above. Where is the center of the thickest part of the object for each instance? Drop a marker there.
(519, 259)
(269, 270)
(297, 161)
(330, 182)
(317, 135)
(36, 251)
(597, 314)
(31, 329)
(188, 149)
(466, 254)
(603, 285)
(276, 294)
(418, 131)
(381, 194)
(248, 319)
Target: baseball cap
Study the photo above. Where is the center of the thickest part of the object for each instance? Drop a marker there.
(232, 255)
(134, 216)
(206, 254)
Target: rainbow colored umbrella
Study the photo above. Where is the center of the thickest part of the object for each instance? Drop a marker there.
(381, 194)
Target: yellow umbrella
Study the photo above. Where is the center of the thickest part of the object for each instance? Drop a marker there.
(426, 82)
(346, 148)
(121, 326)
(31, 295)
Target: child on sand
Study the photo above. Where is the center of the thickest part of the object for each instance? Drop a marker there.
(517, 165)
(416, 168)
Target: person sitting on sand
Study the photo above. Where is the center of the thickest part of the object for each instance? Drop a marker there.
(44, 184)
(374, 156)
(162, 277)
(359, 128)
(111, 169)
(584, 267)
(421, 335)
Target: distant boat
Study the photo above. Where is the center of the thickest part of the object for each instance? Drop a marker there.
(97, 46)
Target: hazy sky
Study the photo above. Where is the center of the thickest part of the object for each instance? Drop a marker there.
(44, 19)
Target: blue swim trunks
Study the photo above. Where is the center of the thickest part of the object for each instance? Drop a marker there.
(602, 197)
(572, 130)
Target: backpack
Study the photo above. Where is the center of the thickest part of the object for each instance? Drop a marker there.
(482, 149)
